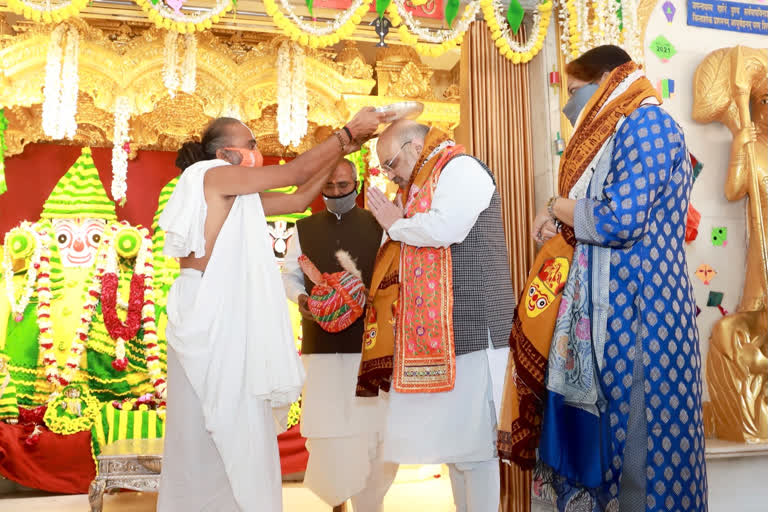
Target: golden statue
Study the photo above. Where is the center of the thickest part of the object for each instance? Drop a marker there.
(731, 87)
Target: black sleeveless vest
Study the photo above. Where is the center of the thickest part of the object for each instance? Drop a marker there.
(320, 236)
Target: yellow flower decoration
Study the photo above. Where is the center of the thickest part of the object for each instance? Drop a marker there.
(185, 24)
(289, 28)
(409, 39)
(40, 12)
(500, 34)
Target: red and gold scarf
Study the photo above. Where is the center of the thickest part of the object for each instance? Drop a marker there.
(408, 338)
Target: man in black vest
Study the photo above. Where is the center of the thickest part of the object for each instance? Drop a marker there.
(342, 430)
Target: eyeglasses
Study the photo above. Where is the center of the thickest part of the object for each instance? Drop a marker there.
(387, 166)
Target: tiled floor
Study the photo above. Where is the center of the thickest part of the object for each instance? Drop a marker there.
(416, 489)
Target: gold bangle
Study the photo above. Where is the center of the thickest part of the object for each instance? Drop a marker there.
(551, 207)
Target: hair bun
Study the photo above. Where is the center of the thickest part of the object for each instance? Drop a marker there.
(189, 154)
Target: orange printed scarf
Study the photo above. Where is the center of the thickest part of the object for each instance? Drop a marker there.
(534, 323)
(408, 340)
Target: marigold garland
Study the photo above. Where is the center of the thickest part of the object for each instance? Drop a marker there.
(500, 31)
(46, 12)
(165, 17)
(437, 42)
(290, 24)
(62, 420)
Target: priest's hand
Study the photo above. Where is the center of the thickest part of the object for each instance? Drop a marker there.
(304, 308)
(385, 211)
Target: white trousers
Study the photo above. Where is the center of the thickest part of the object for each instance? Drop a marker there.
(475, 485)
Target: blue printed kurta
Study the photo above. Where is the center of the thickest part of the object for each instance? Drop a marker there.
(641, 216)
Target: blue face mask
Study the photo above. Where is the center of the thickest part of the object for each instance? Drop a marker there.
(578, 101)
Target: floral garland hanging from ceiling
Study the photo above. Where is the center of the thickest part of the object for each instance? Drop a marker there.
(317, 34)
(585, 24)
(47, 11)
(438, 42)
(503, 30)
(168, 15)
(61, 83)
(292, 106)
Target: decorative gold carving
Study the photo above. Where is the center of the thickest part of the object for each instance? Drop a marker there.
(411, 83)
(731, 87)
(235, 71)
(353, 62)
(401, 74)
(452, 93)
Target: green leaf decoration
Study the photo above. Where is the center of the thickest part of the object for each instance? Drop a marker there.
(515, 15)
(310, 3)
(381, 7)
(620, 16)
(451, 11)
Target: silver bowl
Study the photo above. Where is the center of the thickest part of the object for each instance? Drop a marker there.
(403, 110)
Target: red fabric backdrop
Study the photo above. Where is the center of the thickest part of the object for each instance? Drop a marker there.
(32, 175)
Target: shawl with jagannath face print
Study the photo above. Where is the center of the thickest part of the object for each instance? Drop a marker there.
(533, 327)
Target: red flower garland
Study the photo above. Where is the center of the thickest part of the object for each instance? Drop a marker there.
(115, 327)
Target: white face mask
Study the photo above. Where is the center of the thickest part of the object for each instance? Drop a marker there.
(341, 204)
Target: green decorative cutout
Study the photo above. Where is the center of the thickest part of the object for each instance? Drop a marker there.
(381, 7)
(715, 299)
(515, 15)
(451, 11)
(662, 48)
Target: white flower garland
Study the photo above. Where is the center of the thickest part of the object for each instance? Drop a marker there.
(577, 35)
(52, 88)
(171, 63)
(189, 66)
(506, 31)
(171, 67)
(630, 34)
(61, 84)
(119, 153)
(18, 307)
(168, 18)
(438, 36)
(327, 28)
(292, 103)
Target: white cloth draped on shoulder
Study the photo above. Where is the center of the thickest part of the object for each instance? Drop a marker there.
(234, 339)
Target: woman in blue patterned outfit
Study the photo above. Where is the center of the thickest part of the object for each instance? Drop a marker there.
(618, 435)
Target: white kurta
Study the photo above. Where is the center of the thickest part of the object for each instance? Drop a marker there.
(341, 429)
(230, 331)
(459, 425)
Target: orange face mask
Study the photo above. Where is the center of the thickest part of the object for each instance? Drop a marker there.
(250, 157)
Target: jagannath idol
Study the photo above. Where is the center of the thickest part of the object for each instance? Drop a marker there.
(79, 307)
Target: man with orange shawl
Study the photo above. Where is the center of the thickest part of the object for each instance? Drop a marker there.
(611, 358)
(440, 313)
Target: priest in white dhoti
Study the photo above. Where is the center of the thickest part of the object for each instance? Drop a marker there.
(341, 429)
(437, 328)
(231, 358)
